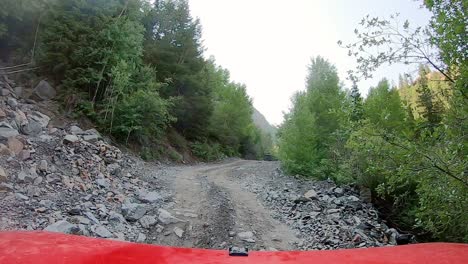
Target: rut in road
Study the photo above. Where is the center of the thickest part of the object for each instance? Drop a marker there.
(216, 209)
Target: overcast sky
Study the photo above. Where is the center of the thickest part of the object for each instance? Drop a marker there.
(267, 44)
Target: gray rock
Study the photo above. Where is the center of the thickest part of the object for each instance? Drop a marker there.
(43, 165)
(311, 194)
(6, 131)
(75, 130)
(4, 92)
(5, 187)
(352, 198)
(91, 217)
(246, 236)
(141, 238)
(37, 121)
(62, 226)
(147, 221)
(53, 178)
(133, 211)
(338, 191)
(44, 91)
(12, 102)
(21, 196)
(3, 175)
(167, 218)
(70, 139)
(103, 183)
(101, 231)
(91, 138)
(178, 231)
(149, 197)
(24, 176)
(116, 218)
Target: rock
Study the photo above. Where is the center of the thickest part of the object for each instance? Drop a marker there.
(167, 218)
(149, 197)
(352, 198)
(133, 211)
(311, 194)
(53, 178)
(75, 130)
(15, 145)
(24, 176)
(21, 196)
(7, 131)
(91, 137)
(247, 236)
(232, 234)
(4, 92)
(301, 199)
(44, 91)
(37, 121)
(116, 218)
(338, 191)
(70, 139)
(76, 211)
(38, 180)
(41, 210)
(101, 231)
(103, 183)
(91, 217)
(12, 102)
(2, 114)
(5, 151)
(5, 187)
(24, 155)
(3, 175)
(147, 221)
(43, 166)
(62, 226)
(141, 238)
(178, 231)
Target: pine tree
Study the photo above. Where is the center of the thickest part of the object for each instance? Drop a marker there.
(357, 111)
(430, 108)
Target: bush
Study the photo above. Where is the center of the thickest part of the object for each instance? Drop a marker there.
(207, 151)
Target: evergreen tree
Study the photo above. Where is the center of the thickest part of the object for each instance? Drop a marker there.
(357, 110)
(430, 108)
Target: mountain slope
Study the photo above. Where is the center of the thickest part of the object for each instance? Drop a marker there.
(263, 124)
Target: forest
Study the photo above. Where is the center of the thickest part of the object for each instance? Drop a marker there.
(137, 70)
(405, 143)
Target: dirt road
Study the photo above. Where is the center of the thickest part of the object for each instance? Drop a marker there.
(218, 212)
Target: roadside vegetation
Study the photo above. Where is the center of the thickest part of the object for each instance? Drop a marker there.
(404, 142)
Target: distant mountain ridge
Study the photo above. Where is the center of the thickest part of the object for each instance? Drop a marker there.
(263, 124)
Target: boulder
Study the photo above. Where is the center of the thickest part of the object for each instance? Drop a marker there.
(62, 226)
(310, 194)
(116, 218)
(133, 211)
(44, 91)
(75, 130)
(3, 175)
(37, 121)
(7, 131)
(2, 114)
(167, 218)
(4, 92)
(147, 221)
(149, 197)
(178, 231)
(68, 139)
(12, 102)
(15, 145)
(141, 238)
(101, 231)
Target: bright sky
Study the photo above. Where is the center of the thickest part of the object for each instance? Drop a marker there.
(267, 44)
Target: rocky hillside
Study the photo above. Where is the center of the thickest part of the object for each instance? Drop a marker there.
(263, 124)
(56, 176)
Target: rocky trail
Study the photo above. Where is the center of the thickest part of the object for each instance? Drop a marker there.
(59, 177)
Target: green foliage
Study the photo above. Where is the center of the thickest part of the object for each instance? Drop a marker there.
(313, 126)
(384, 108)
(207, 151)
